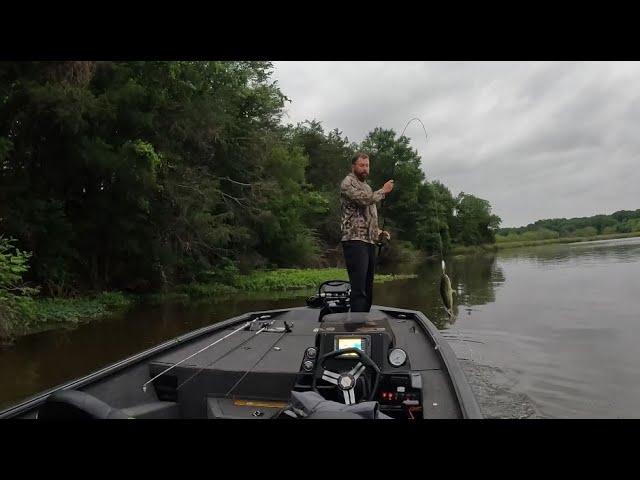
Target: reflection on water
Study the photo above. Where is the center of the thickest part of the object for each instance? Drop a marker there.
(474, 280)
(547, 331)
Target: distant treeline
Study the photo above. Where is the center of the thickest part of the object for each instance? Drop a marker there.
(144, 175)
(623, 221)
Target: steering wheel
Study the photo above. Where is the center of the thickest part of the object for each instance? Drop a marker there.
(346, 381)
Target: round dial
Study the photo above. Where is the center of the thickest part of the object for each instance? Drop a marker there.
(397, 357)
(311, 352)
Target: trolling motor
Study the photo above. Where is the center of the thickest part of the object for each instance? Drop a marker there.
(332, 297)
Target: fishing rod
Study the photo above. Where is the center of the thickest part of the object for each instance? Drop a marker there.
(265, 326)
(446, 291)
(243, 327)
(247, 372)
(393, 169)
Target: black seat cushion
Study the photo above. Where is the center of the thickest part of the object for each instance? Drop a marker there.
(73, 404)
(312, 405)
(333, 415)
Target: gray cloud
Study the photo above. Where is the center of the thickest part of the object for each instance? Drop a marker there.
(536, 139)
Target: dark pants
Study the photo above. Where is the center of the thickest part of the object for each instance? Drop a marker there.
(360, 258)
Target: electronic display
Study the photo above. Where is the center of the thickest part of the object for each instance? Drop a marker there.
(352, 342)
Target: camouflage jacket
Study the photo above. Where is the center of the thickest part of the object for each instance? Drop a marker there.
(359, 213)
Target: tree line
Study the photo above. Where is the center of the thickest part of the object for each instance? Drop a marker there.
(143, 175)
(622, 221)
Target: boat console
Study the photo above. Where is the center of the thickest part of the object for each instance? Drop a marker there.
(355, 359)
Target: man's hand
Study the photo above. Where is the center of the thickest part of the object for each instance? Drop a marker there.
(385, 233)
(387, 187)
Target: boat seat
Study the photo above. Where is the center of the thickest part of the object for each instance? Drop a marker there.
(327, 415)
(154, 410)
(76, 405)
(311, 405)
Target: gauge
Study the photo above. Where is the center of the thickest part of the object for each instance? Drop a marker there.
(311, 352)
(397, 357)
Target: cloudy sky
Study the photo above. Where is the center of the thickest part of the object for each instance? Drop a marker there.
(536, 139)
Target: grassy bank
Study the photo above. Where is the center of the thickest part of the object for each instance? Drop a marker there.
(281, 280)
(462, 250)
(43, 314)
(291, 279)
(52, 313)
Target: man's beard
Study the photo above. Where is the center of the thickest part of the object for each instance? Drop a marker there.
(361, 176)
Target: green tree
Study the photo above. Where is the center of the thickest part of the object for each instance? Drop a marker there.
(475, 223)
(394, 157)
(16, 304)
(121, 174)
(329, 160)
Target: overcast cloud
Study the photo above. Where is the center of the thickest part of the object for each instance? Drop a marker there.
(536, 139)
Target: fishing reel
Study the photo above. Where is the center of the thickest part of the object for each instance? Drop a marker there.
(382, 241)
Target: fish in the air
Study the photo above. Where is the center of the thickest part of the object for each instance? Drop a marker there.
(446, 292)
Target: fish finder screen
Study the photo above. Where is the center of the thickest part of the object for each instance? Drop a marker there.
(356, 342)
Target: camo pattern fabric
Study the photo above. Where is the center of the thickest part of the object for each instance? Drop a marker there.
(359, 213)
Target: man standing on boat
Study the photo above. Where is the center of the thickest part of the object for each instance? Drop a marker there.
(360, 230)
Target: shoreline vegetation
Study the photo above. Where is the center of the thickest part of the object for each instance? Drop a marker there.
(54, 313)
(59, 312)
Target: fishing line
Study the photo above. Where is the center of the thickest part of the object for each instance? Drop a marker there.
(393, 167)
(245, 325)
(452, 317)
(254, 365)
(246, 340)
